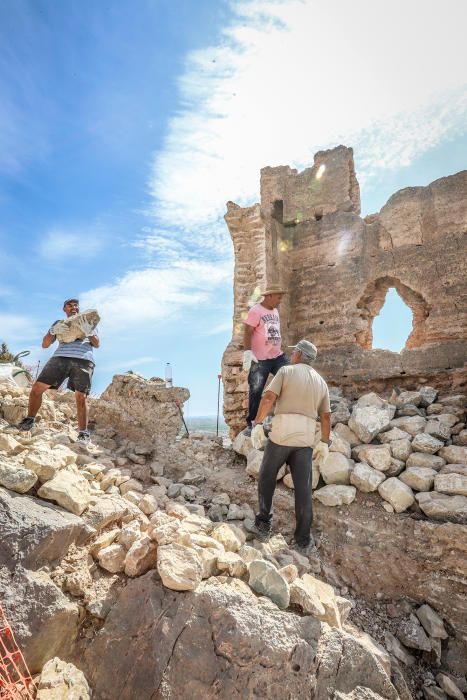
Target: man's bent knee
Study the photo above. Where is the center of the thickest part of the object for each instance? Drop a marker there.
(38, 388)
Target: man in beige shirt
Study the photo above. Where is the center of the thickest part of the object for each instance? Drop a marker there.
(300, 395)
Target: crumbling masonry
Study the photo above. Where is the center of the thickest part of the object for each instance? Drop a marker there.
(307, 234)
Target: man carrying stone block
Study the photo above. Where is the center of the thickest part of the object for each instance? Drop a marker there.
(72, 360)
(262, 354)
(300, 395)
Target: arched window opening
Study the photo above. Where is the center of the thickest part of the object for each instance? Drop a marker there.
(393, 325)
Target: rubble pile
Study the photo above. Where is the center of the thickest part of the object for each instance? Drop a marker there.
(132, 562)
(411, 449)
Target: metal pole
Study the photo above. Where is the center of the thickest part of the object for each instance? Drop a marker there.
(37, 370)
(180, 411)
(219, 377)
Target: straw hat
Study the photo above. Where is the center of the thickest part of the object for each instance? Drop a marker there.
(273, 289)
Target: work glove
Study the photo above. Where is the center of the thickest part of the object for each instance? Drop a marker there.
(258, 438)
(85, 326)
(320, 453)
(58, 328)
(248, 358)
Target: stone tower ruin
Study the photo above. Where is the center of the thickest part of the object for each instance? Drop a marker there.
(307, 234)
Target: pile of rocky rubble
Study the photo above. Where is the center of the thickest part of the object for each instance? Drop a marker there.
(130, 560)
(410, 449)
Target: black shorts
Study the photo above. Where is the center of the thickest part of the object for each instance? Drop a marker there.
(78, 372)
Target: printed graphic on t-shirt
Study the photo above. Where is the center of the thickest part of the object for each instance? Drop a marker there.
(272, 330)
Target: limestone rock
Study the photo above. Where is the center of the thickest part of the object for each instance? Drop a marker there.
(34, 533)
(345, 433)
(60, 680)
(306, 597)
(179, 567)
(454, 469)
(440, 506)
(376, 456)
(422, 459)
(410, 424)
(232, 563)
(112, 558)
(15, 477)
(45, 463)
(265, 579)
(392, 435)
(426, 443)
(428, 394)
(9, 445)
(438, 429)
(242, 444)
(451, 484)
(44, 620)
(141, 557)
(411, 633)
(106, 510)
(401, 449)
(69, 489)
(365, 478)
(253, 462)
(229, 536)
(130, 533)
(335, 495)
(397, 649)
(418, 478)
(450, 688)
(336, 469)
(338, 444)
(431, 621)
(398, 494)
(454, 453)
(103, 540)
(290, 573)
(368, 421)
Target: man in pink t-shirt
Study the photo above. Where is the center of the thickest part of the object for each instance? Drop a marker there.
(262, 354)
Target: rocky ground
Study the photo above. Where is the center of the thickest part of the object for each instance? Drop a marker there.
(130, 561)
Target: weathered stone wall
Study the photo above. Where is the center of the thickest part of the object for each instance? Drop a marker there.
(140, 409)
(338, 268)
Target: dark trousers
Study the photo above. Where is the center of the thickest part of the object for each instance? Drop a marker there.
(299, 461)
(257, 378)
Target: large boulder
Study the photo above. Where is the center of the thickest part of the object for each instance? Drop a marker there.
(44, 620)
(221, 640)
(377, 456)
(367, 421)
(336, 469)
(34, 533)
(453, 484)
(365, 478)
(60, 680)
(398, 494)
(418, 478)
(335, 495)
(265, 579)
(422, 459)
(423, 442)
(410, 424)
(179, 567)
(69, 489)
(456, 454)
(15, 477)
(440, 506)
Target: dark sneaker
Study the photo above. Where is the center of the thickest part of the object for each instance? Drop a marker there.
(84, 437)
(26, 424)
(262, 531)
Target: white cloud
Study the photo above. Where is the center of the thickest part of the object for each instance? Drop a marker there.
(143, 297)
(224, 327)
(16, 328)
(84, 243)
(293, 76)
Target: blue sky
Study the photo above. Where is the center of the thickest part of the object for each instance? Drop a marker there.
(126, 126)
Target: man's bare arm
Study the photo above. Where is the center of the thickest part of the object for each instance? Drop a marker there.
(325, 420)
(248, 332)
(267, 402)
(48, 339)
(94, 340)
